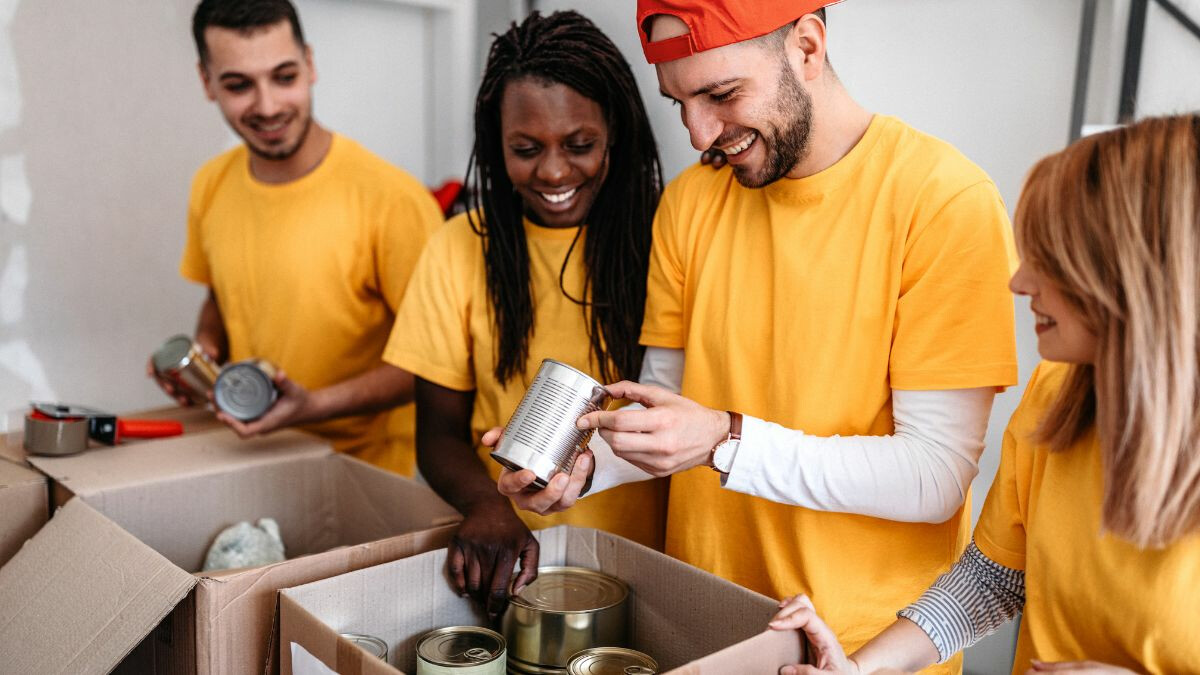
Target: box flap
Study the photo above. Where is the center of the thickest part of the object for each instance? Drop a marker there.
(766, 652)
(24, 507)
(210, 452)
(81, 594)
(13, 475)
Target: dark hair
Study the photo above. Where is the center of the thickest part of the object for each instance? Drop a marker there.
(568, 49)
(244, 16)
(778, 37)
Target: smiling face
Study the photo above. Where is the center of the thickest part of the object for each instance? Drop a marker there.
(262, 82)
(744, 99)
(1062, 334)
(555, 150)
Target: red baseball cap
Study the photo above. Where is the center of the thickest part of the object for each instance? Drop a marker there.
(716, 23)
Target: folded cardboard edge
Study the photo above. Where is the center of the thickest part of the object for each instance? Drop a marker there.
(81, 557)
(205, 453)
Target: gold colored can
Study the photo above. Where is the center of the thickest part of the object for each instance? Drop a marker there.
(564, 611)
(181, 361)
(461, 650)
(611, 661)
(373, 645)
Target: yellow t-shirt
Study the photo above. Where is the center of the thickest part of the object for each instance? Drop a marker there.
(804, 303)
(1088, 595)
(309, 274)
(446, 335)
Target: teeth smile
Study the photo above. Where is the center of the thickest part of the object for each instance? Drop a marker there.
(1043, 320)
(740, 146)
(560, 197)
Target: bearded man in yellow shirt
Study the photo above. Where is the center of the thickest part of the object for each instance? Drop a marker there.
(827, 321)
(304, 238)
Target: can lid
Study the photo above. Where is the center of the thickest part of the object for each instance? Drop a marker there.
(374, 646)
(572, 589)
(172, 352)
(244, 390)
(460, 645)
(611, 661)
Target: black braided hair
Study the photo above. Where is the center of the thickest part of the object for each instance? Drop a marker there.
(568, 49)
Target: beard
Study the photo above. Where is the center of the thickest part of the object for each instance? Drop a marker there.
(280, 154)
(785, 141)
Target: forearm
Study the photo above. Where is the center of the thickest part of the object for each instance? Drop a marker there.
(902, 646)
(920, 473)
(381, 388)
(446, 453)
(210, 329)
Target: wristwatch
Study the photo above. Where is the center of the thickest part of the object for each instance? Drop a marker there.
(723, 453)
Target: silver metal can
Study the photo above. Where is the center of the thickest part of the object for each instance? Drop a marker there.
(564, 611)
(541, 435)
(373, 645)
(461, 650)
(181, 361)
(246, 389)
(611, 661)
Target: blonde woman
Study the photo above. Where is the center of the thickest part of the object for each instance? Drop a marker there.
(1092, 527)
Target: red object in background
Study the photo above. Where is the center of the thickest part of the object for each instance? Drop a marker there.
(106, 427)
(446, 194)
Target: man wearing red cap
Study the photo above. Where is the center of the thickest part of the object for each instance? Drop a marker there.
(829, 318)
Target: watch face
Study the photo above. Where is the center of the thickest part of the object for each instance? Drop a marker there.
(724, 454)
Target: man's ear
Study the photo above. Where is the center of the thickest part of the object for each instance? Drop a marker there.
(308, 61)
(807, 38)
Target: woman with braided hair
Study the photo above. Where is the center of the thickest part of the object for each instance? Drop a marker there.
(549, 262)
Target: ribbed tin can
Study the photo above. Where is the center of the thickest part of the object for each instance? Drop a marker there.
(246, 389)
(373, 645)
(181, 361)
(564, 611)
(461, 650)
(541, 435)
(611, 661)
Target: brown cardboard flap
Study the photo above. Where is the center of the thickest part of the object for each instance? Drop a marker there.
(81, 594)
(215, 451)
(24, 507)
(766, 652)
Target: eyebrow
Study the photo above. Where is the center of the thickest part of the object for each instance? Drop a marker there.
(706, 89)
(238, 75)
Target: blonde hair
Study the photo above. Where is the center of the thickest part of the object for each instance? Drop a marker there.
(1114, 222)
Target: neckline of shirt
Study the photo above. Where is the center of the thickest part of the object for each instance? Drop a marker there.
(833, 177)
(322, 168)
(535, 231)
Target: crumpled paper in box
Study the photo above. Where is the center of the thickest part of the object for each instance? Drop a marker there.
(246, 545)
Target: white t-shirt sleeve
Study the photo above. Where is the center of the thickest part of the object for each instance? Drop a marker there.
(920, 473)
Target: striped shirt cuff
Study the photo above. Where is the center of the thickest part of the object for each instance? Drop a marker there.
(971, 601)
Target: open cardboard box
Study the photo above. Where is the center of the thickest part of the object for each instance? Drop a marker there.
(690, 621)
(24, 507)
(115, 569)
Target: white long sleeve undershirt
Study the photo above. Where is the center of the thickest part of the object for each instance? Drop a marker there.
(920, 473)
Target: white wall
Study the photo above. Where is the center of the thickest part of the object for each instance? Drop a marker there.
(102, 124)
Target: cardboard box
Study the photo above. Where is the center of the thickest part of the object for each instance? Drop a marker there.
(24, 507)
(115, 569)
(679, 615)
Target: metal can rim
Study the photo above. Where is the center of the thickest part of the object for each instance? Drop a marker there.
(568, 366)
(359, 638)
(524, 604)
(501, 651)
(646, 661)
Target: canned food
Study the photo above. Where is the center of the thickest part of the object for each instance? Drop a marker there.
(373, 645)
(611, 661)
(181, 362)
(461, 650)
(246, 389)
(541, 435)
(564, 611)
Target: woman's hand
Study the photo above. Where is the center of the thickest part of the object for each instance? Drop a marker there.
(559, 495)
(797, 613)
(290, 408)
(1077, 668)
(481, 557)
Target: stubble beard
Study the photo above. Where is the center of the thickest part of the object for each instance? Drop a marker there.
(284, 153)
(786, 144)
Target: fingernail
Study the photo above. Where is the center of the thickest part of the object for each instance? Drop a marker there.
(583, 423)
